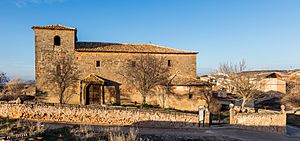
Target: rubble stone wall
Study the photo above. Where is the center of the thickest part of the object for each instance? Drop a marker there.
(274, 122)
(46, 51)
(98, 115)
(111, 63)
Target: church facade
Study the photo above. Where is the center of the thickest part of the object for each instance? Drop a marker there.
(99, 63)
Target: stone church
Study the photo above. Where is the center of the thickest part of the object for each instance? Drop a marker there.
(99, 63)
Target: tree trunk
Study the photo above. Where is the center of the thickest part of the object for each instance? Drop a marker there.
(61, 100)
(61, 97)
(144, 100)
(219, 117)
(163, 101)
(243, 104)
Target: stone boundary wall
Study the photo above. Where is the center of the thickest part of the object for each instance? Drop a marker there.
(98, 115)
(273, 122)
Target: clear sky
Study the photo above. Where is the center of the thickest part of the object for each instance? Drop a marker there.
(266, 33)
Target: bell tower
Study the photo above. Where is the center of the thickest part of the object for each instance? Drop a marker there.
(51, 41)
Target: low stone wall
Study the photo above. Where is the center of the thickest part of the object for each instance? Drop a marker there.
(99, 115)
(274, 122)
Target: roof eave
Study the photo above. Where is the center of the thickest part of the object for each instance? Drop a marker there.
(79, 50)
(54, 28)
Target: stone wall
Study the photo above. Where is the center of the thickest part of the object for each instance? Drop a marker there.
(111, 63)
(267, 121)
(98, 115)
(273, 85)
(46, 51)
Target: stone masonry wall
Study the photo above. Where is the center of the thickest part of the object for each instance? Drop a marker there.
(112, 63)
(46, 51)
(271, 121)
(98, 115)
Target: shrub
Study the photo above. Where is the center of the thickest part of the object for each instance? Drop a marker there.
(147, 106)
(11, 97)
(14, 129)
(291, 100)
(15, 86)
(115, 134)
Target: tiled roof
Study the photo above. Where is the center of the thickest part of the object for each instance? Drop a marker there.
(96, 79)
(259, 72)
(187, 81)
(54, 27)
(126, 48)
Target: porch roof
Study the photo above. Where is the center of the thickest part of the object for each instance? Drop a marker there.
(96, 79)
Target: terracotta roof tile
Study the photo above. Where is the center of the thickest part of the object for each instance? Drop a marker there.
(127, 48)
(54, 27)
(187, 81)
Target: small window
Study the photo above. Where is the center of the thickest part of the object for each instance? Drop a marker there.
(190, 96)
(98, 63)
(57, 41)
(169, 63)
(133, 63)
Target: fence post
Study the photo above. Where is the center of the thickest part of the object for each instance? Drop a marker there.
(231, 114)
(207, 117)
(201, 116)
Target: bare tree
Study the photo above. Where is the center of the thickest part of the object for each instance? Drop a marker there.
(3, 80)
(63, 76)
(15, 86)
(230, 68)
(292, 97)
(239, 83)
(205, 93)
(166, 90)
(291, 100)
(146, 72)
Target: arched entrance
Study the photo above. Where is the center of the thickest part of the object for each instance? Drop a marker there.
(92, 90)
(93, 94)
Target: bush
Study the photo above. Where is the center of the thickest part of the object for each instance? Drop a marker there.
(115, 104)
(12, 97)
(59, 134)
(147, 106)
(86, 132)
(115, 134)
(15, 86)
(14, 129)
(291, 100)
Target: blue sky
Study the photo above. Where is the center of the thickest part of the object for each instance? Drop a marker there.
(265, 33)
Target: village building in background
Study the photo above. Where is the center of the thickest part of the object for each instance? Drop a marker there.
(273, 85)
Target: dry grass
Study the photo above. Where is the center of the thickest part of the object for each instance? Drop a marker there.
(15, 128)
(115, 134)
(83, 132)
(86, 132)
